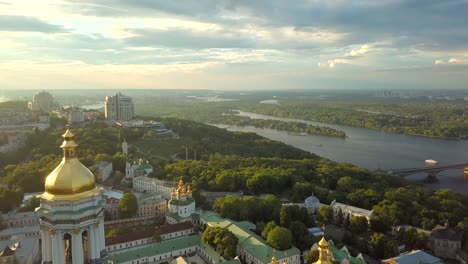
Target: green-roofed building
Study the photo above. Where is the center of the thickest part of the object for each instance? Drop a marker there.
(168, 250)
(181, 207)
(252, 249)
(343, 256)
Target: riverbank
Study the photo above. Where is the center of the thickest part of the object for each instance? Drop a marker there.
(373, 149)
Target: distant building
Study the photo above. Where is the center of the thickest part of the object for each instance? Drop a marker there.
(149, 205)
(20, 251)
(152, 185)
(140, 168)
(311, 203)
(118, 107)
(42, 101)
(20, 219)
(76, 115)
(348, 210)
(135, 239)
(414, 257)
(103, 170)
(444, 241)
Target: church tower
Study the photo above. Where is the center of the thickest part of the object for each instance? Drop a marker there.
(325, 256)
(71, 212)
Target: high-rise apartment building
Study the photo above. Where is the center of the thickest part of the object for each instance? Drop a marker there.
(118, 107)
(42, 101)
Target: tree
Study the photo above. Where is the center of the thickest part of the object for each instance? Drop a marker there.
(346, 222)
(325, 214)
(377, 243)
(382, 246)
(339, 217)
(358, 224)
(285, 215)
(222, 240)
(377, 224)
(268, 227)
(128, 205)
(312, 256)
(280, 238)
(300, 235)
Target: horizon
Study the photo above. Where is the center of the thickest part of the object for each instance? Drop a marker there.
(234, 46)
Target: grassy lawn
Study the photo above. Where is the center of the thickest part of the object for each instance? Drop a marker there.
(161, 149)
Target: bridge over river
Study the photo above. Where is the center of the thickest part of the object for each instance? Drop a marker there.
(431, 169)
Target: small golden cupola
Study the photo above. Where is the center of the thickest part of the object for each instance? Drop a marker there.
(70, 177)
(324, 252)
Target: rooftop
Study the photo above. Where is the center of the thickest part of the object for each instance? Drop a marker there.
(157, 248)
(450, 233)
(413, 257)
(171, 228)
(343, 253)
(248, 240)
(350, 208)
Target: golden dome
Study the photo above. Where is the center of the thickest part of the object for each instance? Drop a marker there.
(70, 177)
(273, 260)
(323, 242)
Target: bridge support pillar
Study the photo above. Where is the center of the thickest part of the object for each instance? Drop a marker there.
(432, 176)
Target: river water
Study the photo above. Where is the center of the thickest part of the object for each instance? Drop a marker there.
(375, 149)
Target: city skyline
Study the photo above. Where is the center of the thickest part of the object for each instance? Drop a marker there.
(226, 45)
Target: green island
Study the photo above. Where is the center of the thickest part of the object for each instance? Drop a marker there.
(292, 127)
(422, 118)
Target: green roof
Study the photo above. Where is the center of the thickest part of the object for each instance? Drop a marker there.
(48, 213)
(341, 254)
(248, 240)
(157, 248)
(169, 245)
(182, 203)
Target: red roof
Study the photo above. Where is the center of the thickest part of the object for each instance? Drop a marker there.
(147, 233)
(129, 237)
(166, 229)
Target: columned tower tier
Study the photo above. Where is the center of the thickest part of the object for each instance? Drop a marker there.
(71, 212)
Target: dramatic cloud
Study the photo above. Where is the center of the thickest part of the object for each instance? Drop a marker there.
(261, 43)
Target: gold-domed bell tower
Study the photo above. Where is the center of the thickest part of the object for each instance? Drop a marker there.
(71, 212)
(324, 252)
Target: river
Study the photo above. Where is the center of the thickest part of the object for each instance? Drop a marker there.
(375, 149)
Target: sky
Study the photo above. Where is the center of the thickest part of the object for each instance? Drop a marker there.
(234, 44)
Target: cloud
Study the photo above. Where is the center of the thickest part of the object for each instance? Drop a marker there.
(333, 63)
(451, 61)
(28, 24)
(432, 25)
(357, 52)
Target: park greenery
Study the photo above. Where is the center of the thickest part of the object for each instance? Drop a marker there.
(222, 240)
(128, 206)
